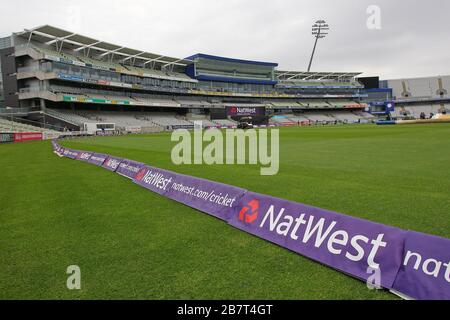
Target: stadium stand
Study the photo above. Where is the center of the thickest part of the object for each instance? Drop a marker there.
(13, 126)
(283, 120)
(420, 88)
(123, 119)
(320, 117)
(344, 116)
(285, 104)
(207, 123)
(69, 116)
(225, 123)
(111, 66)
(299, 119)
(193, 103)
(364, 115)
(428, 95)
(416, 110)
(169, 120)
(77, 80)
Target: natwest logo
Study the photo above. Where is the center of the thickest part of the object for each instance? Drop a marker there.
(241, 111)
(151, 178)
(141, 174)
(249, 213)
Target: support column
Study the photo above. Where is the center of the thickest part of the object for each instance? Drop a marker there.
(43, 105)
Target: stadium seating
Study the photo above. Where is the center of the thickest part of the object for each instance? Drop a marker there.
(416, 110)
(299, 119)
(364, 115)
(13, 126)
(284, 104)
(313, 104)
(344, 116)
(102, 64)
(312, 83)
(340, 103)
(420, 88)
(166, 120)
(282, 120)
(319, 117)
(127, 86)
(57, 54)
(208, 123)
(340, 84)
(157, 102)
(123, 119)
(133, 98)
(187, 103)
(225, 123)
(68, 116)
(154, 73)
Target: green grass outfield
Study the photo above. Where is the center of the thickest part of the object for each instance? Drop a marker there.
(131, 243)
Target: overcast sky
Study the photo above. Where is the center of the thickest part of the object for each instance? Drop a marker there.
(413, 39)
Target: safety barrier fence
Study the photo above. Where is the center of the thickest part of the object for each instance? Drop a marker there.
(410, 264)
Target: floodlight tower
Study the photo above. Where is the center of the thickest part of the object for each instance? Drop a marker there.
(319, 30)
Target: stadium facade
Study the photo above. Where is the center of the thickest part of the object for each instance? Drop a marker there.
(4, 43)
(71, 80)
(428, 95)
(50, 75)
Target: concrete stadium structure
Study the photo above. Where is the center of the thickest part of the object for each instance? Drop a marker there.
(71, 81)
(428, 95)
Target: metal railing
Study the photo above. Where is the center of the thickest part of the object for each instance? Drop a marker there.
(12, 111)
(30, 89)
